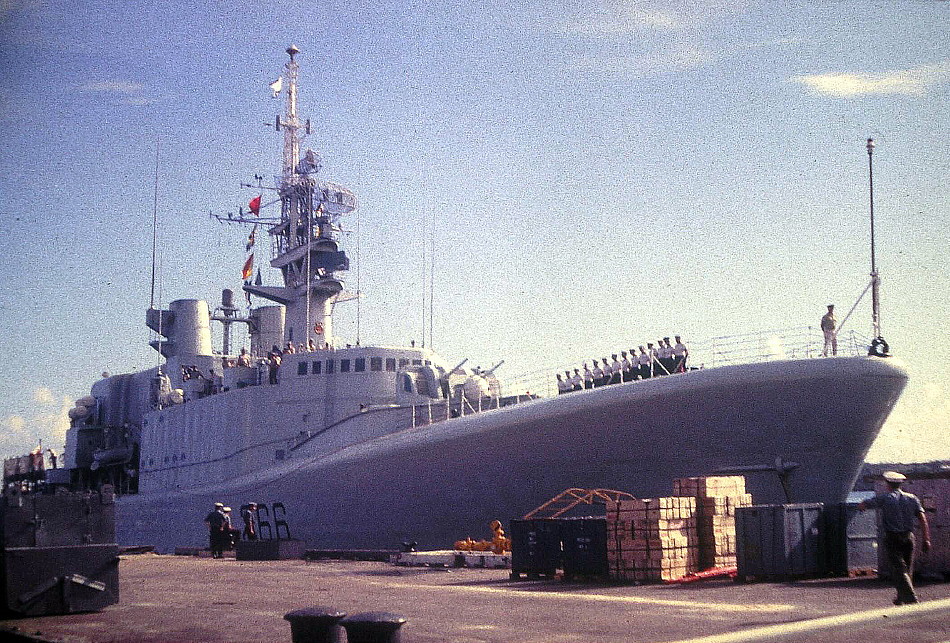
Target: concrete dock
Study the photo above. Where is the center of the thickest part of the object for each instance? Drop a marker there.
(178, 598)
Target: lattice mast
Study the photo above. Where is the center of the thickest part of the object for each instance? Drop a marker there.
(305, 239)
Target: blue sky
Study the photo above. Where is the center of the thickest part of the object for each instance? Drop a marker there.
(596, 174)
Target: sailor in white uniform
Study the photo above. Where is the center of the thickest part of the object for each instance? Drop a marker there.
(666, 356)
(577, 382)
(680, 355)
(643, 359)
(616, 369)
(626, 367)
(588, 377)
(598, 374)
(562, 385)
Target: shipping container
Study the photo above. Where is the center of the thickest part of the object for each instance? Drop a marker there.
(584, 547)
(535, 547)
(779, 541)
(851, 539)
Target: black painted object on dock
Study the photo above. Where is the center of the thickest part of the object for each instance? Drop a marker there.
(584, 543)
(779, 542)
(535, 547)
(850, 539)
(373, 627)
(57, 553)
(317, 624)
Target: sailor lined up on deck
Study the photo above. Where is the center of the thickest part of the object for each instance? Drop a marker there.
(652, 361)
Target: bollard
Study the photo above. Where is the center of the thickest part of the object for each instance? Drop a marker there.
(315, 624)
(373, 627)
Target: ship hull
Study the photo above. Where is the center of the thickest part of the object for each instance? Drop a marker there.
(442, 482)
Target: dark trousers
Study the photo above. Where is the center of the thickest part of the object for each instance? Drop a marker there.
(899, 548)
(219, 540)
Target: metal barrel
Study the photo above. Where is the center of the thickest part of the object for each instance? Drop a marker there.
(316, 624)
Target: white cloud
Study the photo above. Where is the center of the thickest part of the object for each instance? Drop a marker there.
(43, 395)
(15, 439)
(19, 435)
(911, 82)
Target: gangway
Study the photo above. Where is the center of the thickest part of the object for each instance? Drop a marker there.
(570, 498)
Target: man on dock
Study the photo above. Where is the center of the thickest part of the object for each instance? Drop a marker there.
(899, 510)
(216, 522)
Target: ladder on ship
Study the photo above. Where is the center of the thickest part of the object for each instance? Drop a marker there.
(570, 498)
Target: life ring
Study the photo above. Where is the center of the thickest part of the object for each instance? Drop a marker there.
(879, 348)
(318, 328)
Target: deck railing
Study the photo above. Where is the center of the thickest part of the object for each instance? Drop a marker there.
(748, 348)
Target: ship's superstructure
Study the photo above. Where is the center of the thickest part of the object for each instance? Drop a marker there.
(366, 445)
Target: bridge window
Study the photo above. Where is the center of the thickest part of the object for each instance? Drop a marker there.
(344, 366)
(360, 364)
(417, 362)
(316, 367)
(375, 363)
(391, 364)
(330, 365)
(406, 383)
(301, 368)
(403, 361)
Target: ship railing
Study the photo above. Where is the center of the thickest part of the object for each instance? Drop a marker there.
(789, 343)
(766, 346)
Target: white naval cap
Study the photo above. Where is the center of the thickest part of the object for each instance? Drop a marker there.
(894, 476)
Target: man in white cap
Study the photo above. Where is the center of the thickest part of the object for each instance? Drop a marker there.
(899, 510)
(216, 534)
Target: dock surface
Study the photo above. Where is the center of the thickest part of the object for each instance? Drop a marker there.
(179, 598)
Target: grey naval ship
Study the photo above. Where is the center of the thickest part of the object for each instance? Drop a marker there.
(370, 446)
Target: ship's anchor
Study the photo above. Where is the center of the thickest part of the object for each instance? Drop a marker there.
(782, 468)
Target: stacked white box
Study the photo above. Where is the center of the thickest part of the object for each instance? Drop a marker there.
(716, 500)
(651, 539)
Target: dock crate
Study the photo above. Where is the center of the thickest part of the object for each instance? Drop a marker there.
(535, 547)
(584, 547)
(779, 541)
(851, 539)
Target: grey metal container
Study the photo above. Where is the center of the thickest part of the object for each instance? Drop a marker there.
(584, 542)
(850, 539)
(779, 541)
(535, 547)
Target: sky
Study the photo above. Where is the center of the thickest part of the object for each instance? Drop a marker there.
(581, 177)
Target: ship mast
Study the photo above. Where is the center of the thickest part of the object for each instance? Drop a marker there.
(305, 239)
(875, 278)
